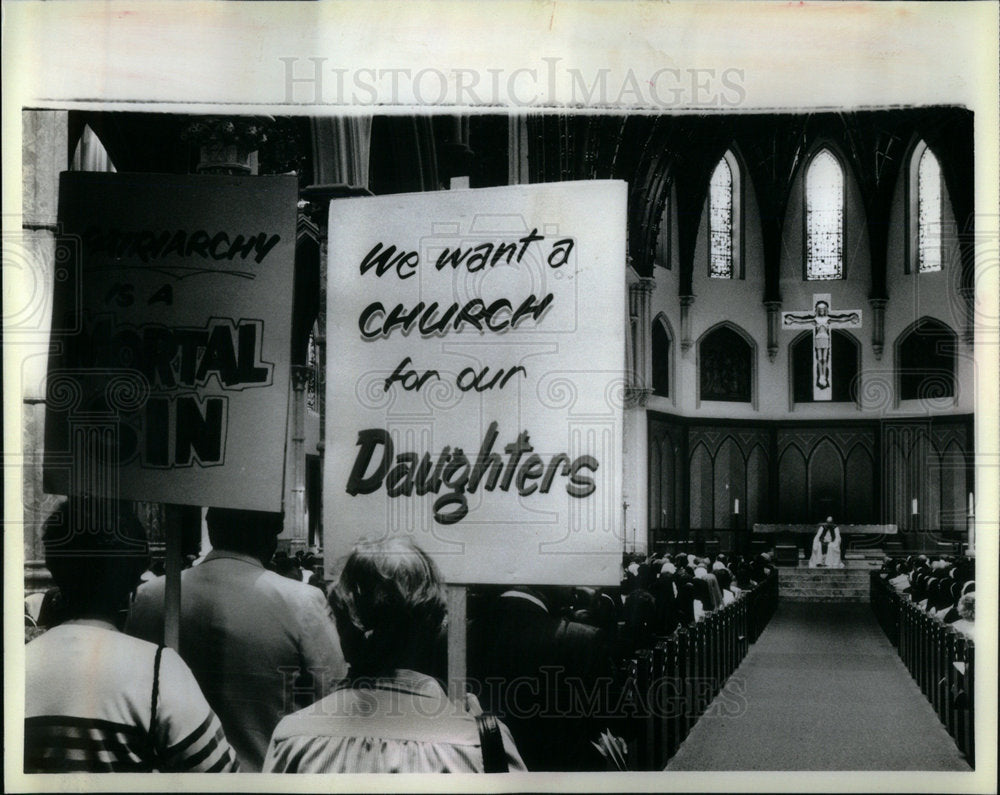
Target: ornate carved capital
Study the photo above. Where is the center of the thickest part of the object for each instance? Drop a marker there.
(302, 374)
(636, 397)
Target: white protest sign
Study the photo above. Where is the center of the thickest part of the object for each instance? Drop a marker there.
(475, 379)
(171, 328)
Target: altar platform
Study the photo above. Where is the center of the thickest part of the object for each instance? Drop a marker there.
(849, 584)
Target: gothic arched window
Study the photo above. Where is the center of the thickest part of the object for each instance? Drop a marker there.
(724, 220)
(824, 218)
(925, 360)
(90, 154)
(661, 359)
(725, 363)
(926, 215)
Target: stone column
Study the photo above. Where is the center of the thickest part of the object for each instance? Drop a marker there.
(299, 531)
(687, 301)
(30, 269)
(640, 367)
(878, 325)
(341, 154)
(773, 325)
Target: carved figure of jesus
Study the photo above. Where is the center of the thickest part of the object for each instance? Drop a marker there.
(823, 321)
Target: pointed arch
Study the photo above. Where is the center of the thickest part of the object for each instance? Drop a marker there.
(758, 485)
(926, 354)
(727, 364)
(859, 486)
(954, 488)
(729, 470)
(90, 154)
(826, 480)
(825, 215)
(792, 493)
(701, 487)
(725, 219)
(663, 356)
(925, 210)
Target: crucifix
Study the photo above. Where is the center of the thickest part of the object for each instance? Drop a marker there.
(822, 321)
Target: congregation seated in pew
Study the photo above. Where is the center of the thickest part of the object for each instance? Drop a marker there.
(943, 586)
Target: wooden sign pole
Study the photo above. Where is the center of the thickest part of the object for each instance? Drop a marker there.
(457, 641)
(172, 590)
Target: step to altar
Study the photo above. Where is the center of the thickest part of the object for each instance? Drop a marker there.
(802, 584)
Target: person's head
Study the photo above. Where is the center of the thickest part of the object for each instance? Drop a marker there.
(583, 598)
(822, 308)
(389, 606)
(252, 533)
(702, 593)
(96, 551)
(725, 578)
(967, 606)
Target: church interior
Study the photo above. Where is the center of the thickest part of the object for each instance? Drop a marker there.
(800, 345)
(735, 223)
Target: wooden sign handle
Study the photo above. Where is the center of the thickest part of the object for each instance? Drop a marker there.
(457, 645)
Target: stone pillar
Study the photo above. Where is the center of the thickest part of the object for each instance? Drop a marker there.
(341, 150)
(299, 531)
(640, 366)
(517, 150)
(29, 271)
(878, 325)
(687, 301)
(635, 477)
(341, 154)
(773, 325)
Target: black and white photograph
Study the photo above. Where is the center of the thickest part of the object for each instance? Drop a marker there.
(598, 396)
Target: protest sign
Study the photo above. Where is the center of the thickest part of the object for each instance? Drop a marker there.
(476, 349)
(168, 379)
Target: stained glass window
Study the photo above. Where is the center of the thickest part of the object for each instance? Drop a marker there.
(824, 218)
(929, 213)
(726, 362)
(720, 222)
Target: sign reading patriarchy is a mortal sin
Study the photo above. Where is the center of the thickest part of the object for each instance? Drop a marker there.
(168, 380)
(476, 348)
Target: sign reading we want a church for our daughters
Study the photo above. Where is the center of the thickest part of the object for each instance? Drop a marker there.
(475, 379)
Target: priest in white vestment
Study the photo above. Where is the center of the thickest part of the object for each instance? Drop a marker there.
(826, 546)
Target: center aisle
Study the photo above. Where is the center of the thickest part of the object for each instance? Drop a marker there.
(822, 689)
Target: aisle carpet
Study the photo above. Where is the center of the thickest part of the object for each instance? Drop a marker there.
(822, 689)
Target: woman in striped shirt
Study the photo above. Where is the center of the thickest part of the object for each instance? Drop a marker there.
(97, 700)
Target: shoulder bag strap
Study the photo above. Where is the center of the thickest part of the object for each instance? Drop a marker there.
(154, 757)
(491, 741)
